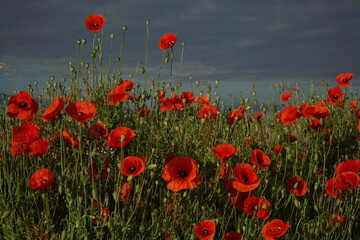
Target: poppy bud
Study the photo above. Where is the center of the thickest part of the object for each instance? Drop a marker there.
(78, 41)
(83, 41)
(112, 36)
(147, 22)
(142, 70)
(125, 28)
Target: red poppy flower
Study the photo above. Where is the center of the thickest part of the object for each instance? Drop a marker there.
(95, 22)
(53, 110)
(347, 180)
(236, 115)
(202, 100)
(22, 106)
(258, 116)
(224, 151)
(348, 166)
(174, 103)
(208, 112)
(237, 198)
(118, 93)
(297, 185)
(188, 96)
(205, 230)
(278, 149)
(81, 111)
(232, 236)
(334, 97)
(180, 173)
(357, 114)
(246, 178)
(126, 191)
(132, 166)
(274, 229)
(259, 158)
(97, 131)
(23, 136)
(101, 216)
(70, 138)
(331, 190)
(344, 79)
(317, 124)
(257, 206)
(38, 147)
(120, 137)
(317, 110)
(167, 41)
(292, 138)
(288, 115)
(353, 104)
(286, 97)
(337, 220)
(41, 179)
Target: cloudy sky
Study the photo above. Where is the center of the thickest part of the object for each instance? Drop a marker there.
(238, 42)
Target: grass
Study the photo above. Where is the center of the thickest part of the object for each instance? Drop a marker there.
(75, 205)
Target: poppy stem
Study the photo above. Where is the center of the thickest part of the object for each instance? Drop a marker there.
(146, 51)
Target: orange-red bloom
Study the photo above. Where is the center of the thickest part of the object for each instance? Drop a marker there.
(297, 185)
(246, 178)
(331, 189)
(337, 220)
(188, 96)
(257, 206)
(53, 110)
(274, 229)
(174, 103)
(348, 166)
(23, 136)
(120, 137)
(317, 110)
(286, 97)
(347, 180)
(95, 22)
(132, 165)
(259, 158)
(22, 106)
(118, 93)
(180, 173)
(93, 170)
(70, 138)
(236, 115)
(41, 179)
(317, 125)
(343, 79)
(232, 236)
(38, 147)
(278, 149)
(97, 131)
(288, 115)
(353, 104)
(334, 97)
(167, 41)
(208, 112)
(81, 111)
(126, 189)
(205, 230)
(224, 151)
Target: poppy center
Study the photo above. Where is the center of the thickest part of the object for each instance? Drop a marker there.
(132, 169)
(205, 231)
(344, 80)
(245, 178)
(43, 181)
(170, 42)
(277, 229)
(182, 174)
(80, 113)
(335, 96)
(95, 25)
(23, 104)
(348, 184)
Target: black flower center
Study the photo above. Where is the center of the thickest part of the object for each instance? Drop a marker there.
(182, 174)
(205, 231)
(132, 169)
(170, 42)
(348, 184)
(245, 178)
(335, 96)
(95, 25)
(23, 104)
(43, 181)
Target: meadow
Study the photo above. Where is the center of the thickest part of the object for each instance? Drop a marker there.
(108, 155)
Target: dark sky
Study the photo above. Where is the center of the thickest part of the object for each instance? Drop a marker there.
(238, 42)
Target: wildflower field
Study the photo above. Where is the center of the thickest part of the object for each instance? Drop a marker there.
(109, 155)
